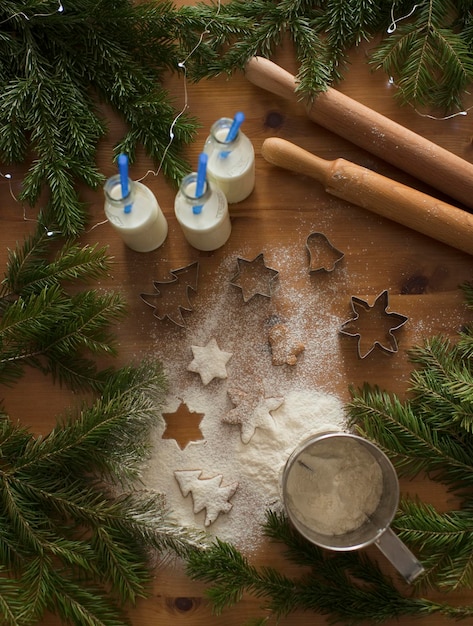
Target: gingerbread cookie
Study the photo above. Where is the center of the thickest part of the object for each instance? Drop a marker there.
(284, 350)
(252, 410)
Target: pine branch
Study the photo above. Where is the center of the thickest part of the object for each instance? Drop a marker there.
(430, 62)
(349, 589)
(77, 543)
(444, 541)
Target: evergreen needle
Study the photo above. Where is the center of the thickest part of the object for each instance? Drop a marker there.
(76, 536)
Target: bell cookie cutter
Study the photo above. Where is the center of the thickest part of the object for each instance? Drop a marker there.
(390, 322)
(254, 277)
(323, 255)
(184, 280)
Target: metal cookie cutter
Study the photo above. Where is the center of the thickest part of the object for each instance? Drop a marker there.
(322, 254)
(379, 328)
(172, 296)
(254, 277)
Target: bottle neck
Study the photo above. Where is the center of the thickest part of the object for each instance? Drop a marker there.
(114, 193)
(219, 132)
(188, 188)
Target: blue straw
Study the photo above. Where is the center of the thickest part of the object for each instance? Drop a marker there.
(233, 131)
(123, 171)
(235, 127)
(201, 179)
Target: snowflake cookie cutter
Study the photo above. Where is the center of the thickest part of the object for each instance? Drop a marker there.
(323, 255)
(177, 289)
(254, 277)
(386, 323)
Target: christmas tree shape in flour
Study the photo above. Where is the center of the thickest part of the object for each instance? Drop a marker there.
(207, 493)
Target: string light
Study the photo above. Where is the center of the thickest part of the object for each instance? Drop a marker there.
(182, 66)
(391, 28)
(394, 21)
(464, 112)
(8, 177)
(60, 9)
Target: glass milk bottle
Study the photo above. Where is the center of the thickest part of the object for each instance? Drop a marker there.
(205, 221)
(231, 165)
(138, 218)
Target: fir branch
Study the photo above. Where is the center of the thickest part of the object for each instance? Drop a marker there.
(350, 589)
(431, 64)
(444, 383)
(431, 432)
(348, 23)
(41, 325)
(78, 544)
(12, 610)
(443, 541)
(81, 603)
(113, 430)
(413, 444)
(50, 94)
(51, 97)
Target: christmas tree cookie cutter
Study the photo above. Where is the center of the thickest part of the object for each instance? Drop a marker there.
(171, 297)
(373, 326)
(323, 255)
(254, 277)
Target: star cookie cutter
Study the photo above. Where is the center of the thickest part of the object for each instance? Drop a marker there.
(254, 277)
(323, 255)
(385, 323)
(171, 297)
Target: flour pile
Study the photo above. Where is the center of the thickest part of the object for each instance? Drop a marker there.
(256, 466)
(309, 312)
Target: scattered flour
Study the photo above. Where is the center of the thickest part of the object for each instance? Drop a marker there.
(306, 307)
(312, 309)
(256, 466)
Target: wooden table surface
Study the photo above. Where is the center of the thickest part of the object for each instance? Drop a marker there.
(420, 274)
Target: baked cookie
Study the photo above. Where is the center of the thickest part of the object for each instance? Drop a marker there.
(283, 348)
(209, 361)
(252, 410)
(207, 493)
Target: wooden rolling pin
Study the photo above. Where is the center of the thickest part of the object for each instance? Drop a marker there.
(377, 193)
(372, 131)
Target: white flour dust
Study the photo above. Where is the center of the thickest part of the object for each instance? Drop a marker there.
(334, 486)
(309, 311)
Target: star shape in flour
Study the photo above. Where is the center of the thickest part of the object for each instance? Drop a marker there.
(207, 493)
(252, 410)
(209, 361)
